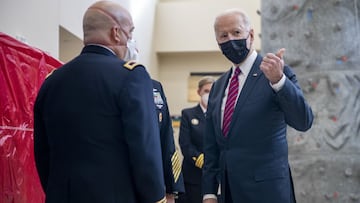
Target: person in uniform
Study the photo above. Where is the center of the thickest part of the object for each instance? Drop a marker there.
(171, 162)
(96, 135)
(192, 129)
(250, 107)
(174, 182)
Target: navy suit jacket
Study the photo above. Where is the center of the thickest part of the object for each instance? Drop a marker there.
(255, 153)
(96, 136)
(192, 129)
(171, 161)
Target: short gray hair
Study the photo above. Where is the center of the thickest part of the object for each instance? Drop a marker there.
(236, 11)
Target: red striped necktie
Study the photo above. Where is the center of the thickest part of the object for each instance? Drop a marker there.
(233, 91)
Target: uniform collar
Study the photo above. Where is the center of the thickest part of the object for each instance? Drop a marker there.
(105, 47)
(202, 107)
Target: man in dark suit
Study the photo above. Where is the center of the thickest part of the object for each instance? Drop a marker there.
(171, 161)
(96, 136)
(192, 129)
(249, 109)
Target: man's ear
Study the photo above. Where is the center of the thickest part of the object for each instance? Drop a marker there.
(115, 34)
(252, 35)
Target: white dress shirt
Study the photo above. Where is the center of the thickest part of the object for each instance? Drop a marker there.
(245, 68)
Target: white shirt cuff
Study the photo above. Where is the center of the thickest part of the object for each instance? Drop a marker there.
(277, 86)
(209, 196)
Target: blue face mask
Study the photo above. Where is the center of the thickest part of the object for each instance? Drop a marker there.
(235, 50)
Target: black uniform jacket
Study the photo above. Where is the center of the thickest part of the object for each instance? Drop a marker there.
(192, 129)
(172, 167)
(96, 136)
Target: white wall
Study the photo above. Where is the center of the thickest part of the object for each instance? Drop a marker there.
(188, 25)
(36, 21)
(175, 69)
(71, 15)
(143, 13)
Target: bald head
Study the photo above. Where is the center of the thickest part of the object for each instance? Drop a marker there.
(100, 18)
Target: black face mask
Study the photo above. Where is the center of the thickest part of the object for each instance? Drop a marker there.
(235, 50)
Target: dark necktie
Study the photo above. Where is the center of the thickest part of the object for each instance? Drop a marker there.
(230, 101)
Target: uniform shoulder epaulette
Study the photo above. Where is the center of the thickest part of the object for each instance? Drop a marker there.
(163, 200)
(131, 65)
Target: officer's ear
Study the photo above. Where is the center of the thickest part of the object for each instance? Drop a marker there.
(116, 33)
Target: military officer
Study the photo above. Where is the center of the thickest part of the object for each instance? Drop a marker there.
(192, 129)
(171, 163)
(96, 136)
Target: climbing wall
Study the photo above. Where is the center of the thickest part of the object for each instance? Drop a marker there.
(322, 41)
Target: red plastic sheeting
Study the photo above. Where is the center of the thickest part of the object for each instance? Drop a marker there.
(23, 69)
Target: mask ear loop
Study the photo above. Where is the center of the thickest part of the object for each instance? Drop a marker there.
(109, 15)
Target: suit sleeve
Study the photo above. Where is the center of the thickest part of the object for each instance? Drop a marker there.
(41, 147)
(172, 167)
(298, 113)
(142, 136)
(188, 149)
(211, 153)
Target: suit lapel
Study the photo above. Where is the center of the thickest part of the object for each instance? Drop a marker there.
(223, 81)
(254, 74)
